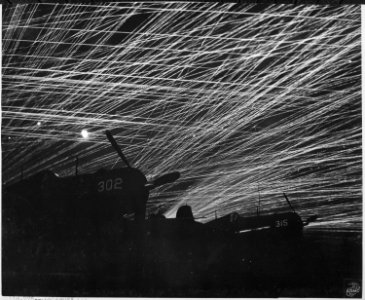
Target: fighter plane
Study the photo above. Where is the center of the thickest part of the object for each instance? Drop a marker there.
(85, 212)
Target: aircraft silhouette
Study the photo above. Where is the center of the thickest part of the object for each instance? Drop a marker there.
(288, 223)
(109, 194)
(86, 211)
(106, 192)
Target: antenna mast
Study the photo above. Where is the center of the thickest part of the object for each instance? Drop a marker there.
(76, 165)
(258, 207)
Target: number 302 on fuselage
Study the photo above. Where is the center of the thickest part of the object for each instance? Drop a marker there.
(122, 182)
(110, 184)
(121, 190)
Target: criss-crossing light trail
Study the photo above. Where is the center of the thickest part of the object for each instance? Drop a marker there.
(245, 102)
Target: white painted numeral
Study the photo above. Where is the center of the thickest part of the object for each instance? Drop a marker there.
(110, 184)
(118, 183)
(100, 186)
(281, 223)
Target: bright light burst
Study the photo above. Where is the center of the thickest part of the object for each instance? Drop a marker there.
(85, 134)
(241, 100)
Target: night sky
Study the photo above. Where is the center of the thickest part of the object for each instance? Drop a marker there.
(245, 101)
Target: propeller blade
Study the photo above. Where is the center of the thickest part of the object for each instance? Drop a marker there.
(166, 178)
(310, 219)
(116, 147)
(287, 200)
(163, 179)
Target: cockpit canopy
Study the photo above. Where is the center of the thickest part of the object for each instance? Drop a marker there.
(185, 212)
